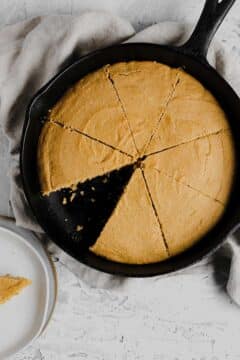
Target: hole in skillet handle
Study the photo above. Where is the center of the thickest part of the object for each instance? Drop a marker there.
(213, 13)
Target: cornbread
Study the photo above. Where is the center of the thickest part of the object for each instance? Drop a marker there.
(199, 164)
(192, 112)
(144, 89)
(126, 237)
(174, 133)
(185, 214)
(11, 286)
(67, 157)
(92, 107)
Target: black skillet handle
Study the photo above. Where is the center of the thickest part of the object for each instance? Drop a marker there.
(213, 13)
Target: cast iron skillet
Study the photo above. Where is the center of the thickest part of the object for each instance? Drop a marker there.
(58, 221)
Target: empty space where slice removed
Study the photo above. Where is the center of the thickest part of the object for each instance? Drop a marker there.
(185, 214)
(143, 88)
(192, 112)
(91, 107)
(206, 164)
(88, 206)
(132, 234)
(66, 157)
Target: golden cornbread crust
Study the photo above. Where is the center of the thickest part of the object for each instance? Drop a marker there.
(11, 286)
(67, 157)
(175, 127)
(121, 240)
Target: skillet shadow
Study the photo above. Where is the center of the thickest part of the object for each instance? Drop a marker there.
(221, 262)
(87, 276)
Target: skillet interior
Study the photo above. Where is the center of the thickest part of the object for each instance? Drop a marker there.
(47, 211)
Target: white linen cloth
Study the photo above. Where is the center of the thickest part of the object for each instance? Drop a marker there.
(31, 52)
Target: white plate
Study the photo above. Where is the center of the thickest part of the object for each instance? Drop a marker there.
(23, 317)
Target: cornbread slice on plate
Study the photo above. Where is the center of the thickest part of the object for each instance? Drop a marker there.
(92, 106)
(23, 316)
(144, 88)
(206, 164)
(132, 234)
(67, 157)
(11, 286)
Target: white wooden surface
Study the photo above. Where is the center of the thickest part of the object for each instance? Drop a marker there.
(182, 317)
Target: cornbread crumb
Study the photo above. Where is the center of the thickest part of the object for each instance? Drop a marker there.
(79, 227)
